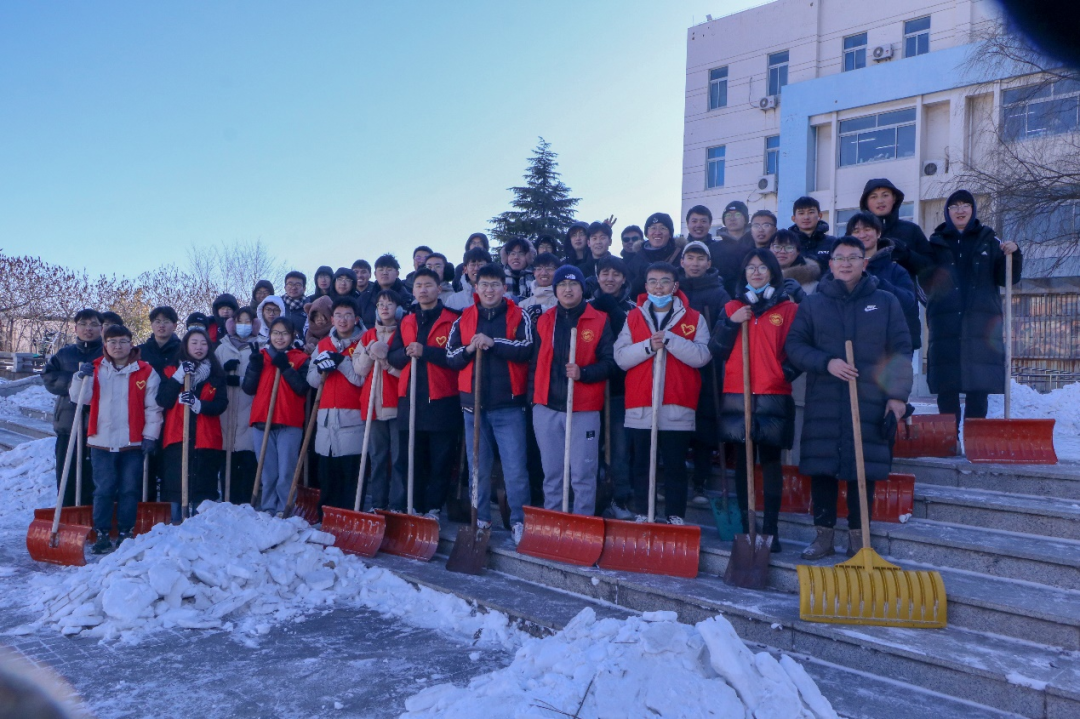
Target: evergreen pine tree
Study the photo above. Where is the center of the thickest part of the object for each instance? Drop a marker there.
(542, 207)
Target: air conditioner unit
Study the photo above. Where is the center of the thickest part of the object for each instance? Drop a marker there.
(766, 184)
(882, 52)
(769, 102)
(933, 167)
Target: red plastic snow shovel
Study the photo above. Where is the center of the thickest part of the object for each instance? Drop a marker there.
(357, 532)
(469, 555)
(410, 535)
(1009, 441)
(926, 435)
(561, 536)
(149, 513)
(748, 566)
(265, 439)
(292, 505)
(649, 547)
(55, 541)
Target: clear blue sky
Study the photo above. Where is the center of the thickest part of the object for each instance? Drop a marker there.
(132, 131)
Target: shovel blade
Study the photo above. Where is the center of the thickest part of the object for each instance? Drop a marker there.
(928, 435)
(469, 555)
(651, 548)
(728, 523)
(307, 504)
(357, 533)
(748, 566)
(1010, 441)
(408, 535)
(82, 514)
(70, 549)
(562, 537)
(149, 514)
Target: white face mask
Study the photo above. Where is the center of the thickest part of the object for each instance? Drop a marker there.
(243, 331)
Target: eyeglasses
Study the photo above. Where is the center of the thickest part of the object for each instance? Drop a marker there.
(349, 317)
(784, 248)
(664, 283)
(762, 226)
(853, 259)
(489, 285)
(281, 335)
(118, 343)
(957, 206)
(756, 269)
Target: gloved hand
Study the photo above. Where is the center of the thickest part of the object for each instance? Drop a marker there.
(335, 357)
(256, 360)
(190, 400)
(325, 365)
(281, 361)
(188, 366)
(148, 445)
(180, 373)
(86, 369)
(232, 365)
(378, 350)
(320, 356)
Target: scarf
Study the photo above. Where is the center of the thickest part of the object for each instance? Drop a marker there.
(293, 304)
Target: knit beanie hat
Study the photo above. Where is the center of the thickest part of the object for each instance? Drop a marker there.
(663, 218)
(569, 272)
(737, 206)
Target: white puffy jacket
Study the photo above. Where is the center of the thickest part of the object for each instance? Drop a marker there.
(112, 415)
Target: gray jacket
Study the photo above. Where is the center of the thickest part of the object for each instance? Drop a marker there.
(235, 423)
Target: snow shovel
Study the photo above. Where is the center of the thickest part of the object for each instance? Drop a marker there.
(748, 566)
(469, 555)
(1009, 441)
(866, 589)
(649, 547)
(292, 503)
(185, 460)
(357, 532)
(727, 516)
(230, 439)
(266, 437)
(410, 535)
(149, 513)
(926, 435)
(53, 541)
(307, 497)
(561, 536)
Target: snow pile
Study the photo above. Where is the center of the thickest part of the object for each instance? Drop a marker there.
(27, 479)
(1061, 405)
(34, 397)
(642, 666)
(232, 568)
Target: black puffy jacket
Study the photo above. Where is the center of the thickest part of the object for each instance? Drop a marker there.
(912, 248)
(817, 245)
(874, 321)
(728, 254)
(497, 391)
(708, 296)
(616, 307)
(161, 356)
(895, 279)
(57, 379)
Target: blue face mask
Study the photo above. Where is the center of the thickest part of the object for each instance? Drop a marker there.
(660, 301)
(243, 331)
(757, 290)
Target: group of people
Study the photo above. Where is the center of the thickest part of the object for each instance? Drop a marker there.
(504, 337)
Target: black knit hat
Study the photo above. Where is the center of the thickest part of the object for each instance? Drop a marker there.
(663, 218)
(225, 300)
(737, 206)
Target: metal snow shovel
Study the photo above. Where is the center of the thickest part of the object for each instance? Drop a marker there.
(561, 536)
(1009, 441)
(727, 516)
(748, 566)
(266, 437)
(292, 504)
(149, 513)
(866, 589)
(469, 555)
(410, 535)
(50, 540)
(358, 532)
(647, 546)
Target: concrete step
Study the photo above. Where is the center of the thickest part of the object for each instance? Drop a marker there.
(1060, 480)
(1050, 517)
(540, 609)
(42, 414)
(28, 426)
(994, 671)
(11, 440)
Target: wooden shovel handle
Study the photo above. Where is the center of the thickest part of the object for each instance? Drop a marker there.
(569, 420)
(184, 462)
(860, 467)
(748, 399)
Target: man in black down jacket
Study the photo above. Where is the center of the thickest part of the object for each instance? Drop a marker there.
(57, 379)
(161, 350)
(848, 306)
(883, 198)
(964, 308)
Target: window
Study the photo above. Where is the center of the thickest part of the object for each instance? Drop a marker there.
(917, 37)
(854, 52)
(717, 88)
(1045, 109)
(714, 167)
(907, 211)
(777, 71)
(888, 136)
(772, 155)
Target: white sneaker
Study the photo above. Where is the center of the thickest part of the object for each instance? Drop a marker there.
(677, 521)
(619, 512)
(699, 500)
(481, 524)
(641, 518)
(517, 531)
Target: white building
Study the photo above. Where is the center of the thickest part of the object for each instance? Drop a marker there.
(817, 96)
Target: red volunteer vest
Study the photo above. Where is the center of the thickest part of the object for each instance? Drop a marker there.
(767, 336)
(289, 408)
(207, 429)
(338, 392)
(136, 400)
(682, 383)
(442, 382)
(389, 381)
(519, 371)
(588, 397)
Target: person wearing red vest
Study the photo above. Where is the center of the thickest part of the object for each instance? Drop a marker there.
(124, 424)
(340, 428)
(501, 330)
(207, 400)
(424, 334)
(286, 425)
(663, 318)
(387, 486)
(769, 313)
(592, 364)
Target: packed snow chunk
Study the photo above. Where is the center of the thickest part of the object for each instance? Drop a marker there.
(610, 667)
(126, 600)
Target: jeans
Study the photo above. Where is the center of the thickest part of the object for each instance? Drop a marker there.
(584, 447)
(975, 404)
(824, 491)
(118, 476)
(504, 428)
(672, 450)
(384, 451)
(435, 455)
(282, 454)
(621, 453)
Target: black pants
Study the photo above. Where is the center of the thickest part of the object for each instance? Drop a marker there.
(87, 498)
(337, 481)
(242, 479)
(703, 445)
(824, 491)
(436, 453)
(204, 466)
(672, 450)
(533, 464)
(773, 475)
(975, 404)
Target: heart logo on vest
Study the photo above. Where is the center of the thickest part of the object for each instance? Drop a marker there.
(440, 340)
(210, 392)
(776, 319)
(587, 336)
(687, 329)
(141, 384)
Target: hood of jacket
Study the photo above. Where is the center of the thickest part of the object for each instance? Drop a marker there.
(272, 299)
(803, 272)
(262, 285)
(568, 249)
(225, 300)
(878, 183)
(541, 293)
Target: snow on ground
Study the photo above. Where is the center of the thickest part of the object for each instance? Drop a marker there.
(35, 397)
(609, 668)
(27, 480)
(1061, 405)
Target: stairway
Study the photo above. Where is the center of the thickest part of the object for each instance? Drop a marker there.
(31, 425)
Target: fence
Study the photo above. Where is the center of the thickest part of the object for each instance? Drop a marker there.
(1046, 333)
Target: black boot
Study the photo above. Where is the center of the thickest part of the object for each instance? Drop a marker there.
(103, 545)
(121, 536)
